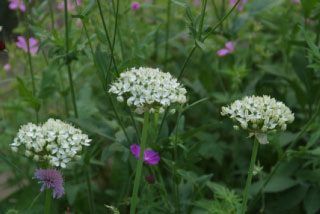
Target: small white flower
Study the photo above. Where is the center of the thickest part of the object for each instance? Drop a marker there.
(147, 88)
(259, 115)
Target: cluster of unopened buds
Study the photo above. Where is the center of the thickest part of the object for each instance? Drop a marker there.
(148, 89)
(54, 141)
(259, 115)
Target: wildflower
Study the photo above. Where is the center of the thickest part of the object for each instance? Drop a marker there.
(240, 5)
(150, 157)
(196, 2)
(135, 6)
(55, 141)
(309, 21)
(148, 88)
(7, 67)
(228, 50)
(33, 44)
(70, 4)
(295, 1)
(259, 115)
(150, 179)
(2, 45)
(50, 178)
(17, 4)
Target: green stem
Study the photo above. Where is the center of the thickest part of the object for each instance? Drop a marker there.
(203, 12)
(48, 201)
(167, 33)
(29, 54)
(249, 179)
(90, 198)
(51, 14)
(67, 59)
(140, 164)
(175, 168)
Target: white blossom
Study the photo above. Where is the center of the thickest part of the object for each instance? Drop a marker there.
(54, 141)
(259, 115)
(148, 88)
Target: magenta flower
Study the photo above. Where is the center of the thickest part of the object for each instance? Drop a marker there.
(50, 178)
(240, 5)
(70, 4)
(309, 21)
(33, 43)
(135, 6)
(150, 157)
(17, 4)
(196, 2)
(229, 49)
(7, 67)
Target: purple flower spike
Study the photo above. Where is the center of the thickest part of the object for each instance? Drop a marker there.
(150, 157)
(135, 6)
(229, 49)
(50, 178)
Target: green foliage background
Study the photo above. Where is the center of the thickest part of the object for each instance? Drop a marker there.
(277, 54)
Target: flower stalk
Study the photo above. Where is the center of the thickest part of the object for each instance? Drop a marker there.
(249, 178)
(140, 164)
(48, 201)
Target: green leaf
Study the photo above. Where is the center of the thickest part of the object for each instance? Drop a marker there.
(48, 84)
(27, 95)
(308, 6)
(88, 9)
(311, 201)
(259, 6)
(279, 183)
(103, 61)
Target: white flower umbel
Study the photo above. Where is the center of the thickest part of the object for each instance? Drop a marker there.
(55, 141)
(148, 88)
(259, 115)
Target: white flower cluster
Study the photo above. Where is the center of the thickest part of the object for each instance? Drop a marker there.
(148, 88)
(259, 115)
(55, 141)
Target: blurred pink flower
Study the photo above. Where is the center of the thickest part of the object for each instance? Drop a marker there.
(70, 4)
(150, 157)
(309, 21)
(240, 5)
(33, 43)
(7, 67)
(17, 4)
(135, 6)
(196, 2)
(229, 48)
(295, 1)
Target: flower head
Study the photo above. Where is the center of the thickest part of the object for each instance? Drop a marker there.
(50, 178)
(33, 43)
(196, 2)
(228, 50)
(135, 6)
(2, 45)
(150, 179)
(55, 141)
(259, 115)
(17, 4)
(150, 157)
(7, 67)
(70, 5)
(240, 5)
(147, 88)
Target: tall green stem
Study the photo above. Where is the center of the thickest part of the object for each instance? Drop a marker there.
(249, 179)
(175, 168)
(90, 198)
(140, 164)
(48, 201)
(203, 12)
(167, 33)
(29, 54)
(68, 60)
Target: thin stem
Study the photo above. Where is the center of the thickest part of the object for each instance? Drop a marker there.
(48, 201)
(249, 179)
(29, 54)
(203, 12)
(140, 164)
(175, 168)
(51, 14)
(67, 59)
(90, 198)
(167, 33)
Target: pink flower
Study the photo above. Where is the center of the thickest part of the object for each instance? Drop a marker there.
(70, 4)
(240, 5)
(196, 2)
(309, 21)
(33, 43)
(229, 49)
(150, 157)
(135, 6)
(50, 178)
(7, 67)
(295, 1)
(17, 4)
